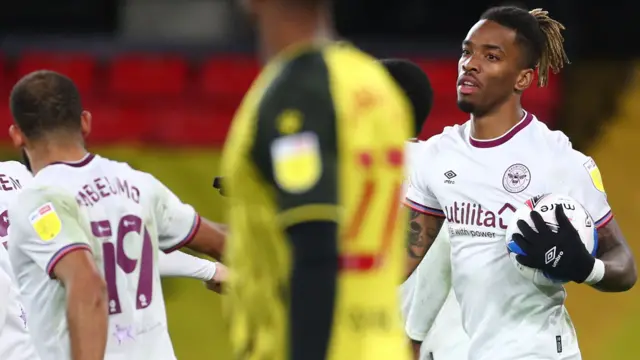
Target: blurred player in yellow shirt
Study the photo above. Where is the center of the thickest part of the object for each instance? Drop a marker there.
(314, 170)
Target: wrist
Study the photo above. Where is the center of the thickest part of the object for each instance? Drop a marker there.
(211, 270)
(597, 273)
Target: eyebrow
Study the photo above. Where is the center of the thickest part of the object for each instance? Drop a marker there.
(485, 46)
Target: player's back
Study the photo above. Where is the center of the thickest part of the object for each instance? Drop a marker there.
(15, 341)
(365, 121)
(116, 209)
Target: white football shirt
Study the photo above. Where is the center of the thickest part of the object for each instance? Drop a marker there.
(429, 304)
(477, 185)
(15, 341)
(121, 216)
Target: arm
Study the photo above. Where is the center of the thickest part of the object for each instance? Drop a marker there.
(87, 313)
(620, 273)
(180, 225)
(426, 217)
(45, 227)
(179, 264)
(615, 268)
(432, 286)
(209, 239)
(423, 231)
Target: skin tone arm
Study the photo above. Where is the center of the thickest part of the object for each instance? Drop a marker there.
(620, 267)
(423, 230)
(210, 239)
(87, 312)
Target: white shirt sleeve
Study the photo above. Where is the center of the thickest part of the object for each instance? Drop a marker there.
(177, 222)
(45, 226)
(179, 264)
(419, 195)
(585, 186)
(432, 286)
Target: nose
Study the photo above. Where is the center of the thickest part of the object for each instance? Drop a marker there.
(469, 64)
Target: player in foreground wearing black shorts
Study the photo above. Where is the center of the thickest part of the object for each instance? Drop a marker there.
(314, 170)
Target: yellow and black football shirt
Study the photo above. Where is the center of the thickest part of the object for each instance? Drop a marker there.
(314, 169)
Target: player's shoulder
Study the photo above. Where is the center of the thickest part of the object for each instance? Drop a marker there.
(559, 145)
(15, 169)
(451, 136)
(555, 140)
(306, 72)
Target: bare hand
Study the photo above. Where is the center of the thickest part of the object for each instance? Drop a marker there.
(218, 279)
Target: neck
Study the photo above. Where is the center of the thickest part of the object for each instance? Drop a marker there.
(46, 153)
(282, 28)
(496, 123)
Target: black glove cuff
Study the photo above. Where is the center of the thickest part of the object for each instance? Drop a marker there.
(583, 268)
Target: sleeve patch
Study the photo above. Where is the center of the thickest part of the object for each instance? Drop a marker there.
(594, 173)
(46, 222)
(297, 162)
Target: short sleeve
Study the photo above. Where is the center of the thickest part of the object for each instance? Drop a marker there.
(176, 221)
(295, 148)
(587, 187)
(419, 195)
(45, 226)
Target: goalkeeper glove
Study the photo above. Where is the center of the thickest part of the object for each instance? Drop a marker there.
(561, 254)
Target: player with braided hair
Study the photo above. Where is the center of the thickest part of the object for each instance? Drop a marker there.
(480, 172)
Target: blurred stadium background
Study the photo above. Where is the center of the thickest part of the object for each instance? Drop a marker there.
(163, 78)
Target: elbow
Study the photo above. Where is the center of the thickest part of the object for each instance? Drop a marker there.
(631, 277)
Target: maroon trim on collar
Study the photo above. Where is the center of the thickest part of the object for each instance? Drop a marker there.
(80, 163)
(527, 118)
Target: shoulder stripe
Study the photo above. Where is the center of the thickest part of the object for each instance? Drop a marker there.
(61, 253)
(423, 209)
(604, 220)
(189, 237)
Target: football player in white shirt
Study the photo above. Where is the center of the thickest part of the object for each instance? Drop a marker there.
(478, 173)
(431, 310)
(85, 234)
(15, 341)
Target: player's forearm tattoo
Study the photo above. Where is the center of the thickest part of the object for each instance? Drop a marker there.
(422, 231)
(414, 240)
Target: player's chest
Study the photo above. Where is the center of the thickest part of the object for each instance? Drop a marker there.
(487, 190)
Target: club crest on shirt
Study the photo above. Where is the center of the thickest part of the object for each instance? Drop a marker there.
(516, 178)
(46, 222)
(594, 173)
(297, 163)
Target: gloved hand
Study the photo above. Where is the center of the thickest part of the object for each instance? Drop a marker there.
(218, 182)
(561, 255)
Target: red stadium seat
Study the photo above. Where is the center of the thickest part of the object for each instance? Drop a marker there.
(154, 75)
(79, 67)
(190, 123)
(228, 75)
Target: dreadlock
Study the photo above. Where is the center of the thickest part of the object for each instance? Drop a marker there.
(553, 56)
(540, 35)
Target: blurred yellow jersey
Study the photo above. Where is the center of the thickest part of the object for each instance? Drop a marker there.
(319, 137)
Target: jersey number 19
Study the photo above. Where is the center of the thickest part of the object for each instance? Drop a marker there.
(115, 256)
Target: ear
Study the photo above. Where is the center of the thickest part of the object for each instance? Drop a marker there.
(85, 123)
(17, 137)
(525, 78)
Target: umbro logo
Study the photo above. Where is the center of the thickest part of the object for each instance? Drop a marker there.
(450, 175)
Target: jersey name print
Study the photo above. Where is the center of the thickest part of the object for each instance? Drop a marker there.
(495, 178)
